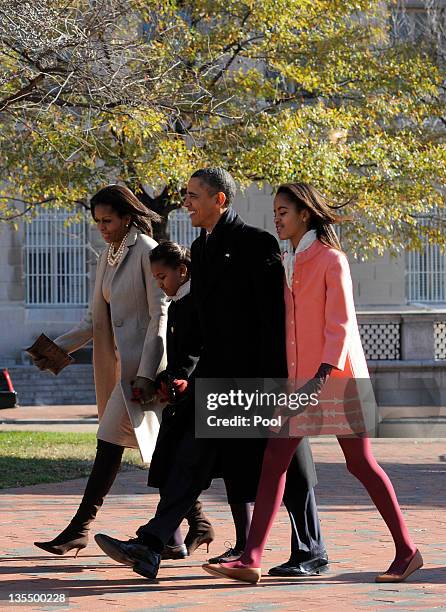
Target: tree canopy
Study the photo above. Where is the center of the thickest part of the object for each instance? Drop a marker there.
(144, 92)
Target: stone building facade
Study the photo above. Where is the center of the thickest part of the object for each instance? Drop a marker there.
(47, 271)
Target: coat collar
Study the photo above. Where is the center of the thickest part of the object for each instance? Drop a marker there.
(227, 222)
(312, 251)
(181, 293)
(289, 259)
(132, 237)
(214, 252)
(130, 241)
(229, 216)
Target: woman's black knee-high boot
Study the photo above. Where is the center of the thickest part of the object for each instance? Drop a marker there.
(103, 473)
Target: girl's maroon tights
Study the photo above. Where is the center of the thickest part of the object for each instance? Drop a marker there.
(360, 462)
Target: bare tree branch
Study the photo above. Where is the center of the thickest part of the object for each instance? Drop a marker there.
(29, 206)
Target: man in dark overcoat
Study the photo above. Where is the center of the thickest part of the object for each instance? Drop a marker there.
(237, 287)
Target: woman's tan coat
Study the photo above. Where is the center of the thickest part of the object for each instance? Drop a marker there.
(136, 321)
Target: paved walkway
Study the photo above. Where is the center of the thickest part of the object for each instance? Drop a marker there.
(358, 544)
(49, 418)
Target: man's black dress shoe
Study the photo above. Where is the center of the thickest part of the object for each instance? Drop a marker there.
(232, 554)
(174, 552)
(144, 561)
(312, 567)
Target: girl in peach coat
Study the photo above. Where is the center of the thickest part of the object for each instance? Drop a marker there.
(323, 343)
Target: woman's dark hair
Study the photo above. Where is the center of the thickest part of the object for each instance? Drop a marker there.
(171, 255)
(305, 196)
(124, 202)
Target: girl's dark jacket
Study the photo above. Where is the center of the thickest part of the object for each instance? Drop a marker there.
(183, 349)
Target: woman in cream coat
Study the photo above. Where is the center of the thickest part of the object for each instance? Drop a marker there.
(127, 323)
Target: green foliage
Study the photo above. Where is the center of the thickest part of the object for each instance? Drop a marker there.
(28, 458)
(275, 91)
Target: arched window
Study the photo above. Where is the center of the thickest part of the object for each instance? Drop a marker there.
(56, 260)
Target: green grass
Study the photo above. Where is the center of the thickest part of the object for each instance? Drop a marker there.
(28, 458)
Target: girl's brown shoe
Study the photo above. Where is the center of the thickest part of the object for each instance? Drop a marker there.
(244, 574)
(415, 563)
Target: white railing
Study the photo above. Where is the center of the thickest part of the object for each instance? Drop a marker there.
(180, 228)
(56, 260)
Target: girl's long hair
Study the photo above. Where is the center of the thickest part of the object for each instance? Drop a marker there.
(305, 196)
(124, 202)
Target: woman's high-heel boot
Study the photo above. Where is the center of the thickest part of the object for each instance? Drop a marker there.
(71, 538)
(103, 473)
(200, 528)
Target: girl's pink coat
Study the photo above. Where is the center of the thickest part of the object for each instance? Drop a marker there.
(321, 325)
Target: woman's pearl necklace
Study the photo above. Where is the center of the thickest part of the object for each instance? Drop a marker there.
(114, 257)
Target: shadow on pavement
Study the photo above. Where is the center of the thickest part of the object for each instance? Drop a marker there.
(128, 585)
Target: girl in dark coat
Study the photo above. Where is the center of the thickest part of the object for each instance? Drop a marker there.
(170, 264)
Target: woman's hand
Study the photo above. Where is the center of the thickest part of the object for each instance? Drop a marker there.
(42, 363)
(311, 389)
(163, 393)
(143, 390)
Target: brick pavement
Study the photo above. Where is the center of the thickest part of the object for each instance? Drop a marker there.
(358, 544)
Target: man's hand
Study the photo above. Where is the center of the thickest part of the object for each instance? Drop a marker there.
(172, 390)
(143, 390)
(175, 389)
(180, 386)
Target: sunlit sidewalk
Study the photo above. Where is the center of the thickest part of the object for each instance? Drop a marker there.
(357, 541)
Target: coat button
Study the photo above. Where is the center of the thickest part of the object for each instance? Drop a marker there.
(118, 323)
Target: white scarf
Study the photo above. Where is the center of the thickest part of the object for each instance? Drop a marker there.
(183, 290)
(289, 259)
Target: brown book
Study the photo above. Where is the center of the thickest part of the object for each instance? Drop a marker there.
(44, 347)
